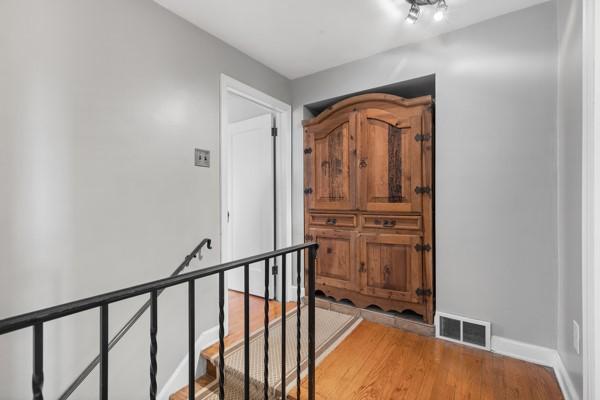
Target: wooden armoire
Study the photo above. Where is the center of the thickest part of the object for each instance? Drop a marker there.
(368, 189)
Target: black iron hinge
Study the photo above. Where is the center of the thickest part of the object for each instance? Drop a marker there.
(308, 238)
(275, 269)
(308, 150)
(423, 190)
(422, 138)
(274, 131)
(308, 191)
(424, 292)
(423, 247)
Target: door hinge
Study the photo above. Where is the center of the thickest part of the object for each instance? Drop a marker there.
(422, 138)
(308, 238)
(423, 247)
(274, 131)
(275, 269)
(424, 292)
(423, 190)
(308, 150)
(308, 191)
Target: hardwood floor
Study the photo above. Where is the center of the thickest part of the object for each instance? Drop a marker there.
(376, 362)
(380, 363)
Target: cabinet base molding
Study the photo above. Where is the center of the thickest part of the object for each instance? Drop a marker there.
(361, 301)
(395, 321)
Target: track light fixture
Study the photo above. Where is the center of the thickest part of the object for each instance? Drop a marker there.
(415, 9)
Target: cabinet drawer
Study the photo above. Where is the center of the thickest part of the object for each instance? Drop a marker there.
(339, 220)
(406, 222)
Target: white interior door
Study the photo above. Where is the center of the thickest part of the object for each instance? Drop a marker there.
(250, 199)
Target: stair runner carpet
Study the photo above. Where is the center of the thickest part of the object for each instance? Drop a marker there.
(331, 329)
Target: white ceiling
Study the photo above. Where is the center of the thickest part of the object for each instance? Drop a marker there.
(299, 37)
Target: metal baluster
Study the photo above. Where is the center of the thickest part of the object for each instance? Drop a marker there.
(283, 325)
(298, 321)
(104, 352)
(153, 342)
(191, 340)
(221, 335)
(246, 332)
(37, 378)
(312, 255)
(266, 359)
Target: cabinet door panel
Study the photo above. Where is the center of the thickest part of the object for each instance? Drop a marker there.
(336, 258)
(389, 162)
(330, 164)
(391, 267)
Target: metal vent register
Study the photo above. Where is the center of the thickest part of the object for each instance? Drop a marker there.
(463, 330)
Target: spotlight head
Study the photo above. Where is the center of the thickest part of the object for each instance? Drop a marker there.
(413, 14)
(441, 10)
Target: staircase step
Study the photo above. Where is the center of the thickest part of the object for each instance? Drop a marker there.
(236, 332)
(236, 322)
(202, 382)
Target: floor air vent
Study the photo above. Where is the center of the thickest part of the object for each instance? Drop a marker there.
(463, 330)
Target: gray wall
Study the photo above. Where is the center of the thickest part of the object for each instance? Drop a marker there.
(570, 115)
(496, 163)
(101, 106)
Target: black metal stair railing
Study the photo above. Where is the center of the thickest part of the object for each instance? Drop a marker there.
(36, 320)
(152, 304)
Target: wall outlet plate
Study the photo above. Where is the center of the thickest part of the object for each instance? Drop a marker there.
(576, 336)
(202, 158)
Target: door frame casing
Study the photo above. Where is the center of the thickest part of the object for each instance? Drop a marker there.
(283, 115)
(591, 201)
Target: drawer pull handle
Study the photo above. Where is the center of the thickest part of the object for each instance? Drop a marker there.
(331, 221)
(389, 224)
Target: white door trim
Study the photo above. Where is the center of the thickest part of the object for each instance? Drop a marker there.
(591, 201)
(283, 115)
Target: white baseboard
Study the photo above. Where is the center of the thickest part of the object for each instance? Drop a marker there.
(179, 378)
(538, 355)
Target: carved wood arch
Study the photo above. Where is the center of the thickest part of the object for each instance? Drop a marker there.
(362, 101)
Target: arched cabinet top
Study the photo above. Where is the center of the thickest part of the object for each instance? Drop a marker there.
(360, 100)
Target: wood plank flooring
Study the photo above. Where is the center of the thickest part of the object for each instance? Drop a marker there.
(377, 362)
(380, 363)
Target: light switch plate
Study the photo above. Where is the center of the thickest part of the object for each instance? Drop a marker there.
(202, 158)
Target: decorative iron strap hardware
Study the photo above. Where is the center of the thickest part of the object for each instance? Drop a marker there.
(424, 292)
(308, 191)
(423, 190)
(308, 150)
(423, 247)
(422, 138)
(363, 163)
(331, 221)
